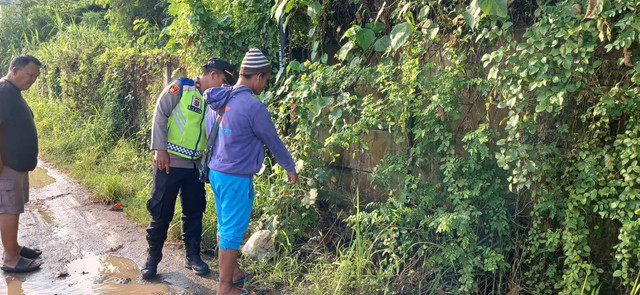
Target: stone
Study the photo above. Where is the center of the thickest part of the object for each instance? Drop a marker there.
(260, 245)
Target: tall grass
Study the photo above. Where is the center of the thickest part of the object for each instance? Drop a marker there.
(636, 286)
(71, 103)
(345, 268)
(112, 175)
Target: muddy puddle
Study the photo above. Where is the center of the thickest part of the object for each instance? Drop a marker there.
(90, 275)
(42, 209)
(46, 215)
(39, 178)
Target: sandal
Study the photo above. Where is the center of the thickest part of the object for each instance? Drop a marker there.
(241, 280)
(24, 265)
(27, 252)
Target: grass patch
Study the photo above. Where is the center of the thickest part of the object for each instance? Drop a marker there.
(112, 171)
(121, 170)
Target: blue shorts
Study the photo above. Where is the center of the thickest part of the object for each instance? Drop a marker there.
(234, 201)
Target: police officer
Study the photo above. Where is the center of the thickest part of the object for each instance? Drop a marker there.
(178, 138)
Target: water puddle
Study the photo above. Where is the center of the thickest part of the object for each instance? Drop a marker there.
(39, 178)
(14, 286)
(46, 216)
(92, 275)
(38, 205)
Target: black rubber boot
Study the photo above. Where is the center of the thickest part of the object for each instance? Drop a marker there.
(193, 260)
(154, 255)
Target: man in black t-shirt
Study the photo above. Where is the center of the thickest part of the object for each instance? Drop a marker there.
(18, 156)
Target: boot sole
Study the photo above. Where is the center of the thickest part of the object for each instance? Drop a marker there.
(149, 276)
(197, 272)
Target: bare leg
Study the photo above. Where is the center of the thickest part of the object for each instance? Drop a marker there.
(9, 232)
(228, 260)
(237, 272)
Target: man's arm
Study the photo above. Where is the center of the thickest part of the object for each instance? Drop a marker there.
(1, 146)
(167, 101)
(264, 129)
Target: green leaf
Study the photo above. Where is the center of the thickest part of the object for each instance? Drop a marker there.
(324, 58)
(317, 105)
(617, 273)
(494, 7)
(493, 72)
(365, 38)
(355, 62)
(313, 9)
(430, 29)
(597, 63)
(472, 15)
(522, 46)
(335, 115)
(290, 5)
(293, 65)
(513, 121)
(405, 8)
(383, 43)
(424, 11)
(376, 27)
(400, 34)
(342, 53)
(434, 32)
(280, 9)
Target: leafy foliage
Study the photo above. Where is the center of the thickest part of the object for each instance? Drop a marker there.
(559, 163)
(123, 16)
(226, 29)
(566, 123)
(510, 161)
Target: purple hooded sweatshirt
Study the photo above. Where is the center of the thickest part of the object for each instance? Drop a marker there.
(245, 129)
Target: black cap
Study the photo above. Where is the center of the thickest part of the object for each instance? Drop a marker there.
(224, 66)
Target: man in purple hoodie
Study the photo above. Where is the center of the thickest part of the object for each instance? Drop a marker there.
(238, 154)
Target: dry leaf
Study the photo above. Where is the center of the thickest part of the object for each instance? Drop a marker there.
(627, 57)
(113, 249)
(591, 9)
(578, 8)
(116, 207)
(440, 112)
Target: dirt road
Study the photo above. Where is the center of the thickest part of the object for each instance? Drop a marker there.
(88, 249)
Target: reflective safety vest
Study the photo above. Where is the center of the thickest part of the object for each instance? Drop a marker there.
(186, 134)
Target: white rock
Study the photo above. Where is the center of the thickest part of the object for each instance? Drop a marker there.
(260, 245)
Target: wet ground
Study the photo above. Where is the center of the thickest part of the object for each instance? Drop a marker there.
(88, 249)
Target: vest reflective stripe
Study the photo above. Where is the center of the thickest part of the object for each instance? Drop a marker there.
(182, 151)
(180, 121)
(186, 123)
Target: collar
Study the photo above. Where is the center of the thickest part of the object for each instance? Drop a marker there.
(10, 83)
(197, 81)
(245, 86)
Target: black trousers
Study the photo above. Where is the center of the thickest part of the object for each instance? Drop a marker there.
(162, 202)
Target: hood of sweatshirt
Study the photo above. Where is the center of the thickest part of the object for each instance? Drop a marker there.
(216, 96)
(243, 133)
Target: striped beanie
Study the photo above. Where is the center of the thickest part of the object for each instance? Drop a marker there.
(254, 62)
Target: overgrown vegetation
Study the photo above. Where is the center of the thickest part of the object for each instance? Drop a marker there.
(512, 128)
